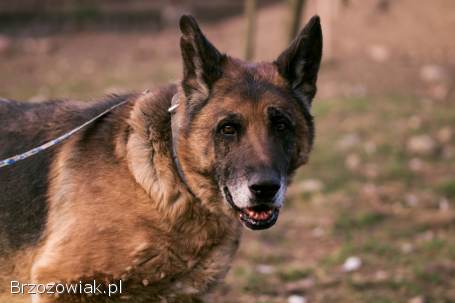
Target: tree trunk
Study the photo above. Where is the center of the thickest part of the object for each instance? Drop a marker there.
(296, 8)
(328, 10)
(250, 18)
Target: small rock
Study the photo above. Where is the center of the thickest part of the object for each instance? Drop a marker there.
(444, 135)
(421, 145)
(418, 299)
(352, 264)
(444, 205)
(297, 299)
(348, 141)
(311, 185)
(381, 275)
(407, 248)
(411, 200)
(416, 165)
(265, 269)
(352, 161)
(432, 73)
(379, 53)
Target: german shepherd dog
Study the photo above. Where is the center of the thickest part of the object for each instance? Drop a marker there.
(153, 195)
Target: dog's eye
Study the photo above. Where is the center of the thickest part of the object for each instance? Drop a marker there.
(279, 121)
(228, 130)
(281, 126)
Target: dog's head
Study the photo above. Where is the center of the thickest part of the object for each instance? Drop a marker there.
(244, 128)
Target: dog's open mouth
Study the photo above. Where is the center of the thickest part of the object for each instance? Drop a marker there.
(255, 217)
(259, 217)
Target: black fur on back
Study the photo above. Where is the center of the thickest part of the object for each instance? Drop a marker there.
(24, 185)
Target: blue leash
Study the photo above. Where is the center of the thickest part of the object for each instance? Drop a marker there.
(43, 147)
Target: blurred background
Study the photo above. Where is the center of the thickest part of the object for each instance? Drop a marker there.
(371, 218)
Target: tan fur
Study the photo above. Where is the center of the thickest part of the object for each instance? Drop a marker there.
(177, 241)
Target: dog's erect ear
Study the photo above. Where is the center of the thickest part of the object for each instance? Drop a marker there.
(201, 60)
(299, 63)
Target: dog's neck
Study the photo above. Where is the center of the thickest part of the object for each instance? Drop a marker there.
(152, 157)
(148, 152)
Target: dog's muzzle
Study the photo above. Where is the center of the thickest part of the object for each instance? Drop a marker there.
(257, 217)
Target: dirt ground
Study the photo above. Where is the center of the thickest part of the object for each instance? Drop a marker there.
(371, 218)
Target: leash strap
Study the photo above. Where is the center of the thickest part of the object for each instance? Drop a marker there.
(49, 144)
(174, 133)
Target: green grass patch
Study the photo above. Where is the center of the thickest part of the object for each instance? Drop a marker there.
(428, 276)
(257, 283)
(447, 189)
(294, 274)
(379, 248)
(338, 256)
(347, 222)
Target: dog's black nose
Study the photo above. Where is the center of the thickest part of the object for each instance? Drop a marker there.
(264, 188)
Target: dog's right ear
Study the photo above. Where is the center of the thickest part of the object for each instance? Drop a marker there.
(299, 63)
(201, 61)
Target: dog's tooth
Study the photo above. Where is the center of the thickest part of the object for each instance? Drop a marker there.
(264, 215)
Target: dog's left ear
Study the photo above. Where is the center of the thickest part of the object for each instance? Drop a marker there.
(299, 63)
(201, 60)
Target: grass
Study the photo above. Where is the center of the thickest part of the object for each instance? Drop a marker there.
(377, 237)
(294, 274)
(356, 214)
(348, 222)
(447, 189)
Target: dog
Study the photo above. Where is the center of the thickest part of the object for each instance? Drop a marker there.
(153, 195)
